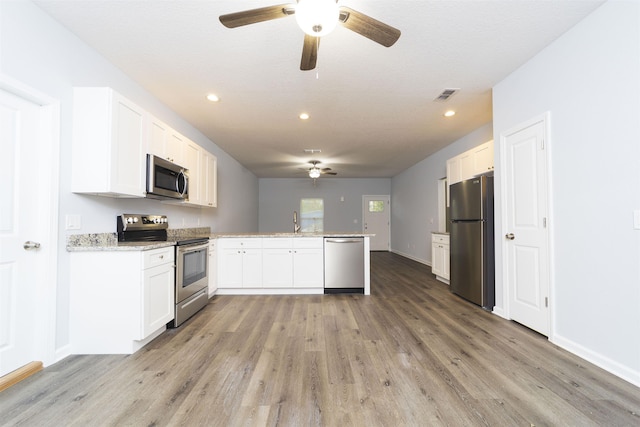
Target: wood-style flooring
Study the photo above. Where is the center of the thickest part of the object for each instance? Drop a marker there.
(411, 354)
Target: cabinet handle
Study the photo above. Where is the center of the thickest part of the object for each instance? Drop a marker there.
(161, 257)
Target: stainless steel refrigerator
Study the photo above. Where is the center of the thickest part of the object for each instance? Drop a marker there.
(472, 241)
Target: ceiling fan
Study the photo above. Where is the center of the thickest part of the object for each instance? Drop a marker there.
(317, 18)
(315, 171)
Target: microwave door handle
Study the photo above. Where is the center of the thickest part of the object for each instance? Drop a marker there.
(181, 177)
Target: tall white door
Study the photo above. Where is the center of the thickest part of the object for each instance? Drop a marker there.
(376, 219)
(20, 231)
(525, 240)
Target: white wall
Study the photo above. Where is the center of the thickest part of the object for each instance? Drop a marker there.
(279, 197)
(589, 81)
(414, 198)
(36, 51)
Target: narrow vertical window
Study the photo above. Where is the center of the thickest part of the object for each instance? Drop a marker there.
(312, 215)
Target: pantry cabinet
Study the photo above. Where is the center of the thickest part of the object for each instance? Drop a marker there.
(109, 143)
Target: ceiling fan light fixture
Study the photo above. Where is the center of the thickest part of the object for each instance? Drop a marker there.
(317, 18)
(303, 116)
(314, 173)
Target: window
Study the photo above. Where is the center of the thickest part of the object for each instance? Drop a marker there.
(376, 206)
(312, 215)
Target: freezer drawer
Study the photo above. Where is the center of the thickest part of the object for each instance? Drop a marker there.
(344, 265)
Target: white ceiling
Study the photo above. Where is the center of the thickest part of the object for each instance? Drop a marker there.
(372, 108)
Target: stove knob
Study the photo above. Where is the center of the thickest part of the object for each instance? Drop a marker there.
(129, 220)
(135, 219)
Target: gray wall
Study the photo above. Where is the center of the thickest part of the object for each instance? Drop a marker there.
(589, 82)
(414, 198)
(41, 54)
(279, 197)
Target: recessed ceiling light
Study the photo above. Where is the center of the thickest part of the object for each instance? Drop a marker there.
(304, 116)
(213, 97)
(449, 113)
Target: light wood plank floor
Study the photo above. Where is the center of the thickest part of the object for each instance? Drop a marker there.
(411, 354)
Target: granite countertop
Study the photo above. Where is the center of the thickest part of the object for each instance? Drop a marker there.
(274, 234)
(109, 241)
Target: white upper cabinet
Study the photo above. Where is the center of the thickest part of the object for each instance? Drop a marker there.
(208, 179)
(108, 144)
(474, 162)
(111, 139)
(165, 142)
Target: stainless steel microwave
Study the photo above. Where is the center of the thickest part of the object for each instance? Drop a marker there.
(166, 180)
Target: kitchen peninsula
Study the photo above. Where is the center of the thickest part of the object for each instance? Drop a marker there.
(277, 263)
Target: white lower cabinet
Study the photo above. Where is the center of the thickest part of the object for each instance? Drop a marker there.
(440, 253)
(213, 267)
(271, 265)
(239, 263)
(120, 300)
(293, 263)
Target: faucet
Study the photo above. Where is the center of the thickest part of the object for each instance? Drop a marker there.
(296, 227)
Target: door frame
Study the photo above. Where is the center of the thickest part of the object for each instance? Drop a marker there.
(47, 199)
(502, 230)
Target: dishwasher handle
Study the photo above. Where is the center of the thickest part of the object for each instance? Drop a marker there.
(343, 240)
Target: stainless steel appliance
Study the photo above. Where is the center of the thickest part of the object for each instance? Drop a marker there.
(343, 265)
(192, 289)
(166, 180)
(472, 241)
(191, 257)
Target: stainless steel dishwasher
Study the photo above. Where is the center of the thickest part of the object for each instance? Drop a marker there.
(343, 265)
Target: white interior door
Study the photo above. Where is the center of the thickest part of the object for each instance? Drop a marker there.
(525, 239)
(24, 224)
(376, 219)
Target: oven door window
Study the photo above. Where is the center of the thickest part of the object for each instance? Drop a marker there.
(194, 267)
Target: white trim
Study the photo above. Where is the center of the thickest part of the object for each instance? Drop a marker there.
(49, 166)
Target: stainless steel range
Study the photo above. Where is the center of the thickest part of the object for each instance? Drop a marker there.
(191, 269)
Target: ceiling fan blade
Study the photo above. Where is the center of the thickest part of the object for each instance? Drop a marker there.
(330, 173)
(309, 53)
(238, 19)
(366, 26)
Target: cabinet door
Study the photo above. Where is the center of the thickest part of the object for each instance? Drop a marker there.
(483, 158)
(213, 268)
(208, 180)
(308, 268)
(128, 142)
(437, 259)
(445, 262)
(229, 268)
(158, 136)
(252, 268)
(454, 174)
(467, 165)
(158, 298)
(277, 270)
(175, 147)
(192, 163)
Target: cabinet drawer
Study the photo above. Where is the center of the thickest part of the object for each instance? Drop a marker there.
(308, 242)
(233, 242)
(158, 257)
(440, 238)
(276, 243)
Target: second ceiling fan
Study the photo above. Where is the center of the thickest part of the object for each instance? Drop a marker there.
(317, 18)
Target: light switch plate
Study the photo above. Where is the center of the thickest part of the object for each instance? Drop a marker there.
(73, 222)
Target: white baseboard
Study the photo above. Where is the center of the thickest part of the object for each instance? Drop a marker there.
(499, 311)
(61, 353)
(599, 360)
(421, 261)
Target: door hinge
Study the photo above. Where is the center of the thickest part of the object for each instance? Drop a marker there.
(542, 144)
(544, 222)
(546, 302)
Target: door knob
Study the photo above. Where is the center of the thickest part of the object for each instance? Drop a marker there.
(29, 245)
(510, 236)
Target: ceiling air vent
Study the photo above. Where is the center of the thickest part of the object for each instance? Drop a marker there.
(446, 94)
